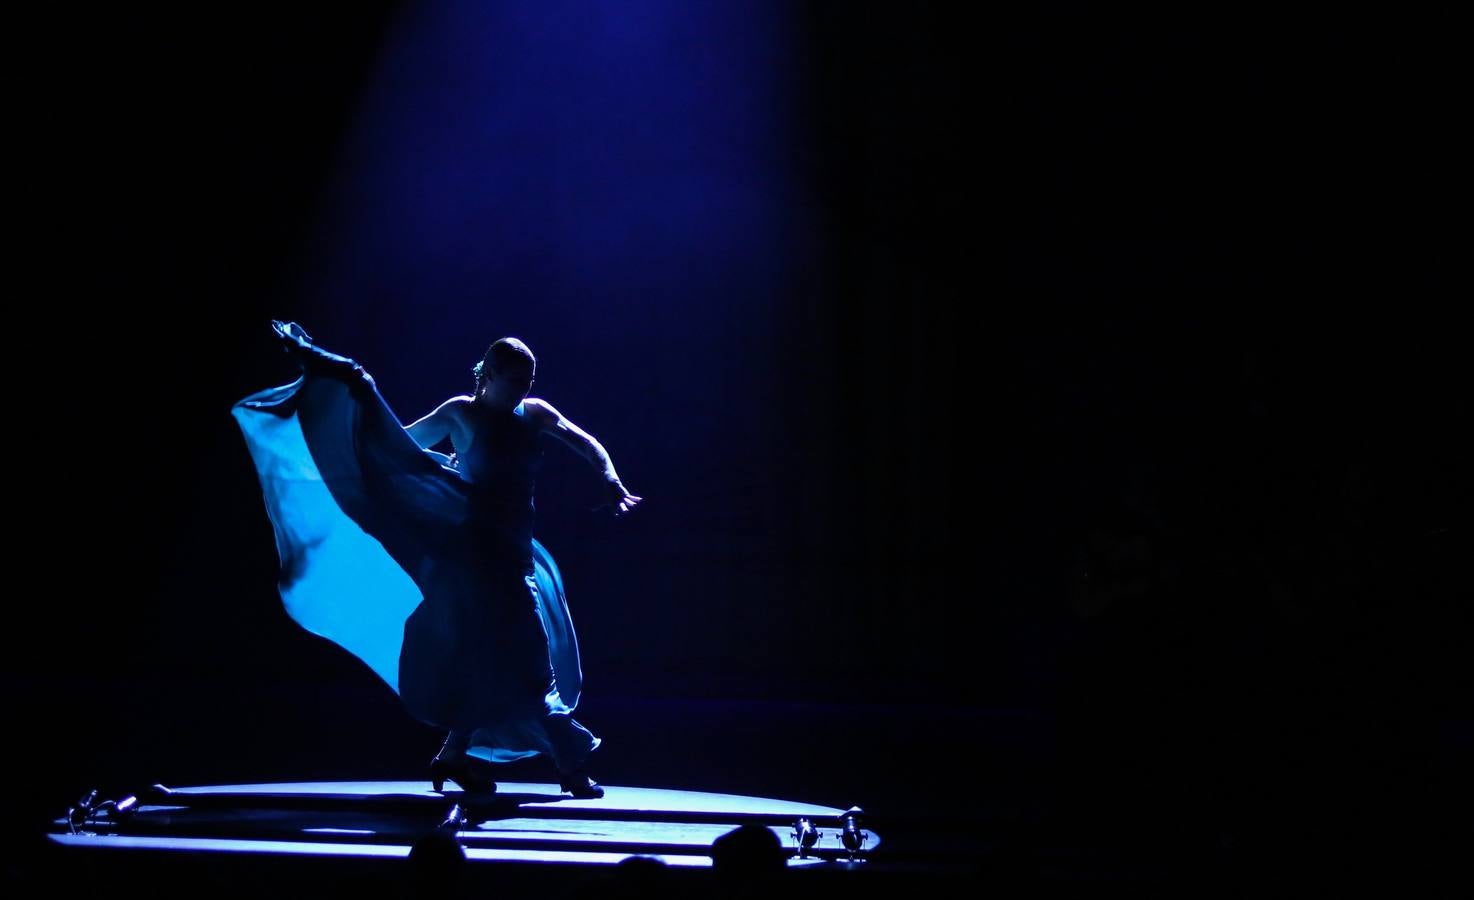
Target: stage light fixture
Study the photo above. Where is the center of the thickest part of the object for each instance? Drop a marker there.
(455, 820)
(851, 835)
(119, 811)
(805, 836)
(86, 810)
(80, 813)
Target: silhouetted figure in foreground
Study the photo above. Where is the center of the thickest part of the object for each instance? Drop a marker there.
(748, 860)
(436, 865)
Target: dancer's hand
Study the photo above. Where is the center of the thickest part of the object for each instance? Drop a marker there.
(620, 500)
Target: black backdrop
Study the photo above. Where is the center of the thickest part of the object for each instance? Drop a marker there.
(1118, 407)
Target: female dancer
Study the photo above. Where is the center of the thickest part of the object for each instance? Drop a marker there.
(424, 564)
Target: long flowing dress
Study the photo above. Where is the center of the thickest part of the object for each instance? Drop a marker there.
(424, 569)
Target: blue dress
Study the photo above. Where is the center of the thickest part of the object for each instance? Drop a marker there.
(425, 570)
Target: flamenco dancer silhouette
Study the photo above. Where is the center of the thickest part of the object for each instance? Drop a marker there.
(423, 564)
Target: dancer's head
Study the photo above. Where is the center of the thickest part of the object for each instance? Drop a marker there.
(504, 375)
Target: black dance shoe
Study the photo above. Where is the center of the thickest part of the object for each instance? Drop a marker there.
(299, 345)
(580, 785)
(471, 773)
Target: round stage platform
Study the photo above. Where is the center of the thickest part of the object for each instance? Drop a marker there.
(521, 822)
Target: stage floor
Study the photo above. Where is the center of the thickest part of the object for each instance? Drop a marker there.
(522, 822)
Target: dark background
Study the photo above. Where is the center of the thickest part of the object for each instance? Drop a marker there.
(1058, 413)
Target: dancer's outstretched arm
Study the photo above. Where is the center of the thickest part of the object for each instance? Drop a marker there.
(585, 445)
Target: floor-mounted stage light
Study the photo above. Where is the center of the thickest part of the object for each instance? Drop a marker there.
(455, 820)
(119, 811)
(852, 836)
(80, 813)
(805, 836)
(86, 810)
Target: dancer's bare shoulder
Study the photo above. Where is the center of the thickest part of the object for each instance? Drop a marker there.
(448, 420)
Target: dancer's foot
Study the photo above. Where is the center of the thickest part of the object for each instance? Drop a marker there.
(474, 775)
(580, 785)
(292, 335)
(299, 344)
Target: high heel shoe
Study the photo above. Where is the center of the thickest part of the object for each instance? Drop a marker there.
(580, 785)
(473, 775)
(299, 345)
